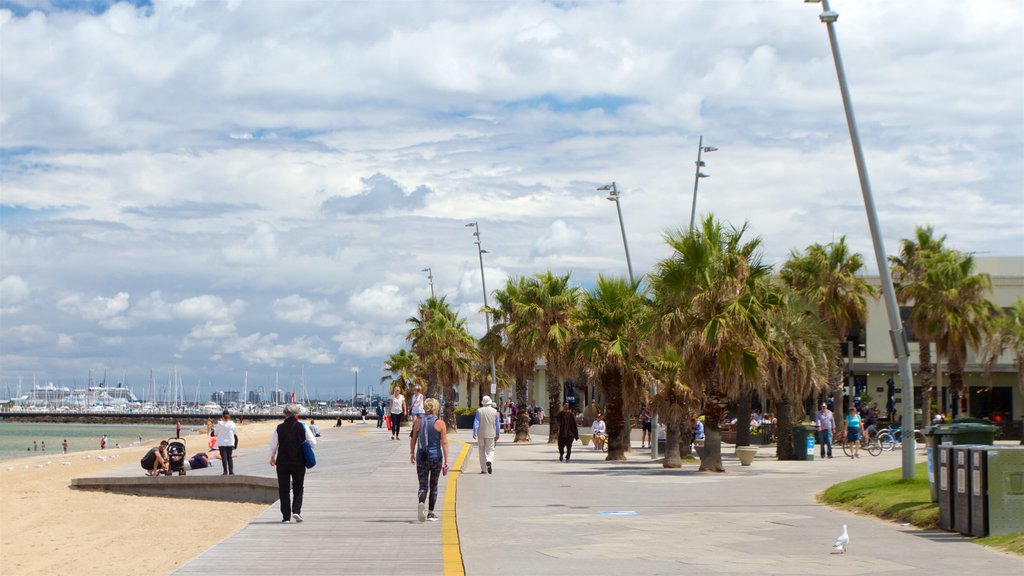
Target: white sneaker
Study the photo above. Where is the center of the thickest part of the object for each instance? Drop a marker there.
(421, 512)
(297, 518)
(432, 517)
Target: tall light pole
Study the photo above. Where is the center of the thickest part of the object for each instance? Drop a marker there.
(483, 283)
(430, 279)
(613, 195)
(355, 393)
(896, 335)
(698, 175)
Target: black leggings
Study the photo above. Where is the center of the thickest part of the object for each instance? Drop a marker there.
(297, 474)
(225, 457)
(396, 423)
(428, 471)
(565, 444)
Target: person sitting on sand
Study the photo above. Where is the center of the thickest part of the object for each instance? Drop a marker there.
(155, 461)
(202, 460)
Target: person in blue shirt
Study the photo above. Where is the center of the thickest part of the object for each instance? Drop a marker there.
(854, 430)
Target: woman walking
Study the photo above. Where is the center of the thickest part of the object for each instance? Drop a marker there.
(428, 450)
(287, 456)
(854, 430)
(398, 410)
(416, 409)
(226, 442)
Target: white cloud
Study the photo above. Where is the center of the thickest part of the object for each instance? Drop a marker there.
(14, 291)
(107, 312)
(299, 310)
(206, 306)
(259, 247)
(381, 301)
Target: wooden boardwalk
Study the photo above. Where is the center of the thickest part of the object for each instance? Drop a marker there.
(360, 517)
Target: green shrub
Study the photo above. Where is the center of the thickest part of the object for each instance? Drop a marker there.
(465, 411)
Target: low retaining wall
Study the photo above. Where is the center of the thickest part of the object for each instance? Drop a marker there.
(240, 488)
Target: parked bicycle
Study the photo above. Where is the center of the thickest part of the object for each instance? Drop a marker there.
(889, 438)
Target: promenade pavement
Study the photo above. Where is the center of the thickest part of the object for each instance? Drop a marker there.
(536, 515)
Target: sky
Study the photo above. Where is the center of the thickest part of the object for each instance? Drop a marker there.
(245, 193)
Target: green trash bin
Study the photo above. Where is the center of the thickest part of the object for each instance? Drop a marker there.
(960, 432)
(803, 441)
(932, 439)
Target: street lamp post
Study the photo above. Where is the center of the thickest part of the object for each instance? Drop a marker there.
(896, 334)
(430, 279)
(698, 175)
(613, 195)
(483, 283)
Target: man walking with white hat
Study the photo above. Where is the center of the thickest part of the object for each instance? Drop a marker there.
(486, 429)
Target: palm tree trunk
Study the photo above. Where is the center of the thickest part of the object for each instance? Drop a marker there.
(611, 387)
(714, 411)
(449, 407)
(784, 431)
(685, 433)
(743, 409)
(924, 357)
(956, 379)
(554, 405)
(522, 422)
(673, 437)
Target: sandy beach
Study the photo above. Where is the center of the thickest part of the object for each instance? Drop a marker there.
(48, 528)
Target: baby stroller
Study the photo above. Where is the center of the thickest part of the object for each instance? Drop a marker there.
(176, 456)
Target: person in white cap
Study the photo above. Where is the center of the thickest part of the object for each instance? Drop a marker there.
(486, 430)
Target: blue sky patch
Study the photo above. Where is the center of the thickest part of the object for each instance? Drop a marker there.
(21, 9)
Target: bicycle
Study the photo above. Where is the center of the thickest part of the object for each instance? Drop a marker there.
(890, 437)
(871, 445)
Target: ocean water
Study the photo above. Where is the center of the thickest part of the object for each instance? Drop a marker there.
(16, 438)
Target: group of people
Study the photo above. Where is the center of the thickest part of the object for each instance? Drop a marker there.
(859, 424)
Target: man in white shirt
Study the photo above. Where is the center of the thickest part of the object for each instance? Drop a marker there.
(486, 430)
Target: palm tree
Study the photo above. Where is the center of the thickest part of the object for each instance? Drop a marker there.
(399, 366)
(445, 349)
(800, 349)
(908, 273)
(547, 306)
(1007, 334)
(609, 321)
(829, 277)
(958, 312)
(522, 346)
(707, 308)
(675, 403)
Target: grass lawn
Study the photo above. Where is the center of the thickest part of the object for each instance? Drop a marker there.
(886, 495)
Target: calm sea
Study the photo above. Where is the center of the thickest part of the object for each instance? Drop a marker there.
(17, 438)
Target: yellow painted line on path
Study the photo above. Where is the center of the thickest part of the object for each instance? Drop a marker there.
(451, 549)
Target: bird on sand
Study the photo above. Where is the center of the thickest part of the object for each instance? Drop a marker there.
(842, 541)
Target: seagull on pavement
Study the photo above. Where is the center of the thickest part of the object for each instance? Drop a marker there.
(842, 541)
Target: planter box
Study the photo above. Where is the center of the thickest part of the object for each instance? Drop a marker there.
(464, 422)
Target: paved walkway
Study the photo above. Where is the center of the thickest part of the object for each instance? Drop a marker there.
(534, 513)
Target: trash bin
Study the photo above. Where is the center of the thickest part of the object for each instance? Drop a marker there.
(1005, 489)
(962, 489)
(931, 439)
(803, 441)
(944, 479)
(978, 469)
(961, 432)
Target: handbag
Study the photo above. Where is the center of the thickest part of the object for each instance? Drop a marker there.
(307, 451)
(308, 455)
